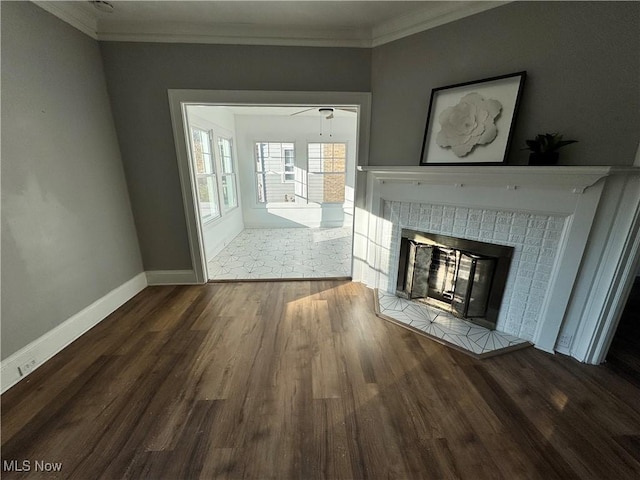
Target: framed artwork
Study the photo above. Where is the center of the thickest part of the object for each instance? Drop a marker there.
(471, 123)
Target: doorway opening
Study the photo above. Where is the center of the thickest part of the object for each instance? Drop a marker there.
(273, 188)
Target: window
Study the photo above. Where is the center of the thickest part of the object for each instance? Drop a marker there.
(327, 172)
(275, 172)
(206, 181)
(289, 165)
(228, 174)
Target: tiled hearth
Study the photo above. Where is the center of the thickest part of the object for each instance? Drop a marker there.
(276, 253)
(445, 328)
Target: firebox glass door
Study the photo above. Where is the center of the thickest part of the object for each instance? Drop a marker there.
(418, 267)
(480, 288)
(461, 292)
(473, 285)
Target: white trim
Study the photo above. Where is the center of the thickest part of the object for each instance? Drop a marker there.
(406, 25)
(565, 271)
(617, 296)
(616, 272)
(172, 277)
(573, 179)
(55, 340)
(243, 37)
(190, 204)
(179, 99)
(73, 15)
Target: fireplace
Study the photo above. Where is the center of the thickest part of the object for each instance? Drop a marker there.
(573, 230)
(464, 277)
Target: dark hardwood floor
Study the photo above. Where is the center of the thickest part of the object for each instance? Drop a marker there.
(288, 380)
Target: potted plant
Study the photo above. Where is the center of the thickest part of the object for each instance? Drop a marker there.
(544, 148)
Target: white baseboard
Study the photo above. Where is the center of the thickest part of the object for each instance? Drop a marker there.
(171, 277)
(52, 342)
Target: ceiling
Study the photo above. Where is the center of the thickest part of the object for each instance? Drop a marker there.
(311, 23)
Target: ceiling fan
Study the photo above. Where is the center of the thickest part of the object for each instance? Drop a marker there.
(326, 112)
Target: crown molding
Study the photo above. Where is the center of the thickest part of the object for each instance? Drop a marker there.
(231, 40)
(394, 29)
(72, 15)
(406, 25)
(239, 35)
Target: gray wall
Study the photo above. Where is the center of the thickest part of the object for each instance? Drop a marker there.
(68, 236)
(583, 66)
(138, 77)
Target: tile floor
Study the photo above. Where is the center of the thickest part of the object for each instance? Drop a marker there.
(444, 326)
(260, 253)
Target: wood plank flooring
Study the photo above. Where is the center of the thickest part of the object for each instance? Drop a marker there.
(289, 380)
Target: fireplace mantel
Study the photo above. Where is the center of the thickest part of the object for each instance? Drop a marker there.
(568, 178)
(587, 217)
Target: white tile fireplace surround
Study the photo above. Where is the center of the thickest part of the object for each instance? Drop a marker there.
(573, 229)
(535, 238)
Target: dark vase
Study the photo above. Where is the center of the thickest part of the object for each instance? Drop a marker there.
(543, 158)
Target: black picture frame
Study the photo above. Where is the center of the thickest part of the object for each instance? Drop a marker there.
(446, 103)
